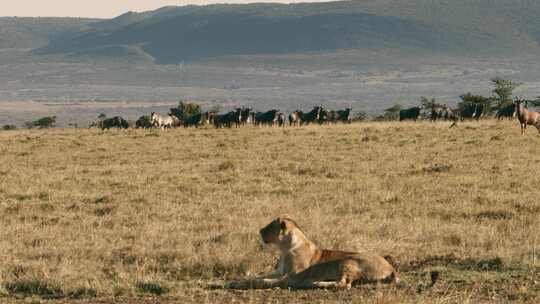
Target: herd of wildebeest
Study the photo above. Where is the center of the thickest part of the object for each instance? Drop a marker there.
(238, 117)
(319, 115)
(517, 108)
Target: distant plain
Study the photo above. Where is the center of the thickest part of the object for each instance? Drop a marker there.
(288, 82)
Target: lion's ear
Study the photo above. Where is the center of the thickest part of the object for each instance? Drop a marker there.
(283, 225)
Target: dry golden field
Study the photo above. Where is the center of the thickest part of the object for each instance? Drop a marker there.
(135, 216)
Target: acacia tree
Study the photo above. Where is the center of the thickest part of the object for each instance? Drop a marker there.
(430, 105)
(475, 99)
(535, 102)
(502, 91)
(469, 103)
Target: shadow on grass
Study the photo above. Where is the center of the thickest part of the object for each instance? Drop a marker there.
(29, 288)
(154, 288)
(452, 261)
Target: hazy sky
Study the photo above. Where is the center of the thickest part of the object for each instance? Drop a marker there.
(99, 8)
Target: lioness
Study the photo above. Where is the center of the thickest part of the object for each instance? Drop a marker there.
(302, 264)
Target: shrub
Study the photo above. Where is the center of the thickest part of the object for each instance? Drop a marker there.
(9, 127)
(42, 123)
(360, 116)
(143, 122)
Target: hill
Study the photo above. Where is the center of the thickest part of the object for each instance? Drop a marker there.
(171, 34)
(16, 32)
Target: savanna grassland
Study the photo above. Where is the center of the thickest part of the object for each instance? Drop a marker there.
(136, 216)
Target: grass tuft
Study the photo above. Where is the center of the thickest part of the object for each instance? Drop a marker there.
(182, 208)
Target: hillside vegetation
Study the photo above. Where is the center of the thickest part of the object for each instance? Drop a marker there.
(121, 216)
(171, 34)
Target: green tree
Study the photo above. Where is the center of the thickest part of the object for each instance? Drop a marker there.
(502, 91)
(534, 102)
(429, 104)
(185, 110)
(470, 103)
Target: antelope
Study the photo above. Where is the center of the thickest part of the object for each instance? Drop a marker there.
(526, 117)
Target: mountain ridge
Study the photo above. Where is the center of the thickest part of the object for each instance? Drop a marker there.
(172, 34)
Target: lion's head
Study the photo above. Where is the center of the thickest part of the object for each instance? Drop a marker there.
(280, 231)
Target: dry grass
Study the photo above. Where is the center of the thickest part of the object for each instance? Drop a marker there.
(128, 216)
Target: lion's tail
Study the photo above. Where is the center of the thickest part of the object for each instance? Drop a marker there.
(434, 277)
(394, 277)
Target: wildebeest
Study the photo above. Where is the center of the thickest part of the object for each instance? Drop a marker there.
(478, 111)
(475, 111)
(114, 122)
(450, 114)
(411, 113)
(326, 116)
(437, 113)
(266, 118)
(195, 120)
(281, 119)
(526, 116)
(443, 112)
(311, 116)
(143, 122)
(246, 115)
(162, 122)
(508, 112)
(238, 117)
(223, 120)
(210, 117)
(344, 116)
(228, 119)
(295, 118)
(323, 117)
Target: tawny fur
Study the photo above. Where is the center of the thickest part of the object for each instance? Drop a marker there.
(526, 116)
(302, 264)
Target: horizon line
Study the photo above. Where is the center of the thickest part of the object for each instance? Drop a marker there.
(127, 10)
